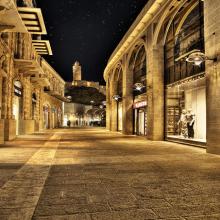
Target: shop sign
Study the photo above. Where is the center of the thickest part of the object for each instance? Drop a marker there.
(140, 104)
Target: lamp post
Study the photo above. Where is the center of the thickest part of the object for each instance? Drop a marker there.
(116, 98)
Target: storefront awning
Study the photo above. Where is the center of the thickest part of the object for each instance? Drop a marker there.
(10, 20)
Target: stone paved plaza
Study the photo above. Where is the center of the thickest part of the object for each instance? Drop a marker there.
(91, 174)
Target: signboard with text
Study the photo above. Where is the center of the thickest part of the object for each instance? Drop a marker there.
(140, 104)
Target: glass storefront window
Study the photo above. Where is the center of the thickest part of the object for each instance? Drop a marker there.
(186, 110)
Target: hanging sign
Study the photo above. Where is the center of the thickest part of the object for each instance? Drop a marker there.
(140, 104)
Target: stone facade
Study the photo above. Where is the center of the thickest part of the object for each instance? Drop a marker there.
(161, 24)
(30, 89)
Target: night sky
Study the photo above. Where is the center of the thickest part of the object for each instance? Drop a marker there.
(87, 31)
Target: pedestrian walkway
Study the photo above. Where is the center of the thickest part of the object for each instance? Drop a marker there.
(92, 174)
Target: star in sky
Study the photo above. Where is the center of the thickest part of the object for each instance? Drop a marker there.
(87, 31)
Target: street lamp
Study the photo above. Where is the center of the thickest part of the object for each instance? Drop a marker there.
(197, 58)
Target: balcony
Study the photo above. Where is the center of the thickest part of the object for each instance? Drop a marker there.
(33, 20)
(56, 95)
(10, 20)
(28, 67)
(42, 47)
(40, 81)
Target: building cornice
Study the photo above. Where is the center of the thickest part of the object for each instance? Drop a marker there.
(52, 70)
(142, 21)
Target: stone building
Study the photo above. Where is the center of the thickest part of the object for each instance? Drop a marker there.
(86, 101)
(163, 77)
(31, 91)
(77, 80)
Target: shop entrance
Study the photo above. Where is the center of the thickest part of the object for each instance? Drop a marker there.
(119, 116)
(140, 117)
(17, 104)
(46, 112)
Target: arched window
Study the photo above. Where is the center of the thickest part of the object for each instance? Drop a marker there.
(137, 65)
(118, 81)
(185, 35)
(139, 71)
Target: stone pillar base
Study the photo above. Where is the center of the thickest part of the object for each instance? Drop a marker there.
(37, 126)
(41, 125)
(10, 129)
(26, 126)
(2, 131)
(213, 149)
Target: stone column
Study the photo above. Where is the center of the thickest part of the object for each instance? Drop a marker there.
(108, 104)
(155, 92)
(26, 124)
(1, 120)
(114, 104)
(127, 101)
(212, 48)
(10, 123)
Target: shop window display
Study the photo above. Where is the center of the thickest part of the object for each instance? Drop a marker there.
(185, 82)
(186, 110)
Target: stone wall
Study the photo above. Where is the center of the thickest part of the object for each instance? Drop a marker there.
(212, 46)
(153, 35)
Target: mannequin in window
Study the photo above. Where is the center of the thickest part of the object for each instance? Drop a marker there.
(183, 124)
(190, 123)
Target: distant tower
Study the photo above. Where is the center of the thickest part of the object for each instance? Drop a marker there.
(77, 72)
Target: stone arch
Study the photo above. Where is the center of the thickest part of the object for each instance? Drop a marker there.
(138, 44)
(162, 20)
(138, 53)
(117, 79)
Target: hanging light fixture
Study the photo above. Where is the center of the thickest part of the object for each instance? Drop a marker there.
(116, 97)
(138, 86)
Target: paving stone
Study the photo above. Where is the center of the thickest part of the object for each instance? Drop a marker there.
(91, 174)
(125, 215)
(65, 217)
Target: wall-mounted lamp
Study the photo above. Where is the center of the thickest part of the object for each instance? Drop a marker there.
(116, 97)
(138, 86)
(197, 58)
